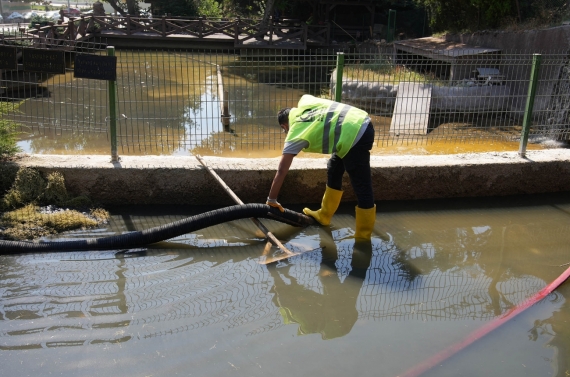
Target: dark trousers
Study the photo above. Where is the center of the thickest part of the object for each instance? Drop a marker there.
(357, 165)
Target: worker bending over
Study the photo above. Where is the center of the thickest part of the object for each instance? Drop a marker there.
(322, 126)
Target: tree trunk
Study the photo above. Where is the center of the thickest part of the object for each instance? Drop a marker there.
(116, 7)
(267, 14)
(132, 7)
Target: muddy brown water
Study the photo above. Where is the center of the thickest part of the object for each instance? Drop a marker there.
(168, 104)
(202, 305)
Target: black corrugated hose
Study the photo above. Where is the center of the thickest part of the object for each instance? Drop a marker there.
(160, 233)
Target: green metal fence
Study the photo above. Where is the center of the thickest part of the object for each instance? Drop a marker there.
(218, 102)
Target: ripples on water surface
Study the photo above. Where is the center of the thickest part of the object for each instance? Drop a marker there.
(202, 305)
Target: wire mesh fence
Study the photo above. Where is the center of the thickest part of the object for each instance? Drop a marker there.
(217, 102)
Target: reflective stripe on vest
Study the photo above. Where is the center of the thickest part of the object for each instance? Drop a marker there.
(327, 126)
(337, 128)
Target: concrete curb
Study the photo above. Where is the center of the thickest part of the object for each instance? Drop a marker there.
(182, 180)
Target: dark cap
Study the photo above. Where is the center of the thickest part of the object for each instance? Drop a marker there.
(283, 115)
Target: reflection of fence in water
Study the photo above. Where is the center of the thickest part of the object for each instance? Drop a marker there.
(159, 295)
(453, 294)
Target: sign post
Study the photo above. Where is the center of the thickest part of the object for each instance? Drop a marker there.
(102, 68)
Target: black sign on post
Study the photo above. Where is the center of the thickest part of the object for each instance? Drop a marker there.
(95, 67)
(46, 61)
(8, 57)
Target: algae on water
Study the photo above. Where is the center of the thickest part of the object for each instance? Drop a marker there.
(26, 219)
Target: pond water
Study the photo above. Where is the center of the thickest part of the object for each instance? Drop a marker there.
(168, 104)
(201, 304)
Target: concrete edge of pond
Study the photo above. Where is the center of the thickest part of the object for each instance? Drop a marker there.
(182, 180)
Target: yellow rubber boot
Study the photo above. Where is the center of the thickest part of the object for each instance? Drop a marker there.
(365, 219)
(329, 205)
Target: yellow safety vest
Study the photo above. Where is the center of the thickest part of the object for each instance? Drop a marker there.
(328, 126)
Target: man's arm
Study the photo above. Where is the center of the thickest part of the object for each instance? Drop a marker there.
(282, 170)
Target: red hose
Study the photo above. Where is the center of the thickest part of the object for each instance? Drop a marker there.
(421, 368)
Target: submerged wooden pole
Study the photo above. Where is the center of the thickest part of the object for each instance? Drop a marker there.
(236, 199)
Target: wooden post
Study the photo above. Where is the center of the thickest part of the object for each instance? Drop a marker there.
(82, 27)
(70, 29)
(271, 31)
(42, 35)
(223, 98)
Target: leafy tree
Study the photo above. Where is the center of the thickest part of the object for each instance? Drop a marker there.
(39, 19)
(209, 8)
(267, 12)
(184, 8)
(457, 15)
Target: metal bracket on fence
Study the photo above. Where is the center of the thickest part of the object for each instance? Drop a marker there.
(527, 120)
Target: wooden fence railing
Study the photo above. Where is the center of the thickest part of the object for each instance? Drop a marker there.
(242, 31)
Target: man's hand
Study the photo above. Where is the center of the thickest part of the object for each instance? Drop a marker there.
(274, 203)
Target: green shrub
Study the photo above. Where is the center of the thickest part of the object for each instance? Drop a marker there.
(27, 188)
(55, 191)
(8, 145)
(8, 171)
(41, 20)
(8, 134)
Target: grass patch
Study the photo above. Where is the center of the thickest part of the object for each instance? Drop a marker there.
(386, 73)
(381, 69)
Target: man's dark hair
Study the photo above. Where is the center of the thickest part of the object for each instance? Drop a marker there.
(283, 115)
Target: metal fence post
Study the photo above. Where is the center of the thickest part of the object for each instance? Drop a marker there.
(113, 111)
(339, 69)
(527, 120)
(391, 26)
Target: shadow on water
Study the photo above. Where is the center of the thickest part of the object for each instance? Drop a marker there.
(434, 272)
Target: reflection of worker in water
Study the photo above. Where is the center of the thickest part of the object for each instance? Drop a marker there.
(322, 126)
(328, 307)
